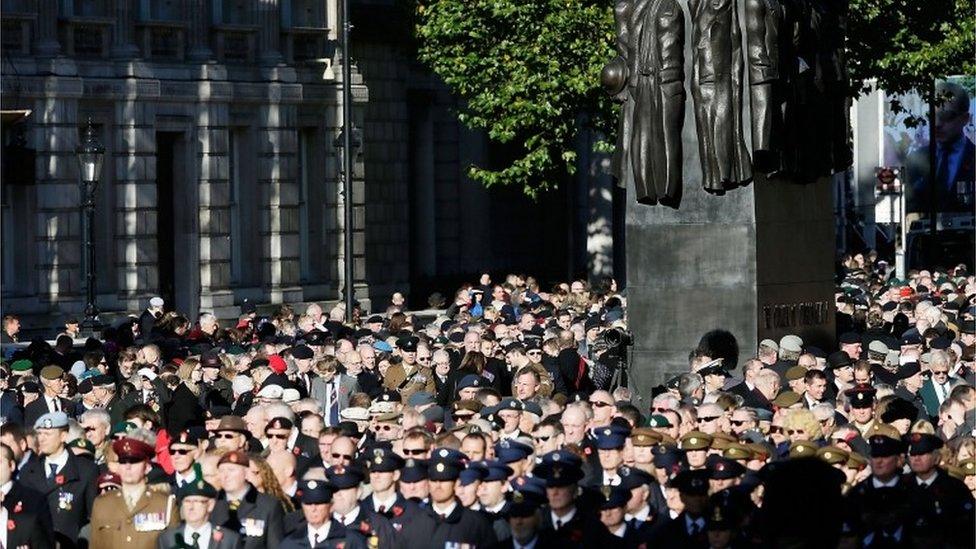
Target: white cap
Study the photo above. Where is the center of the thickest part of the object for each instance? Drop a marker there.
(156, 302)
(380, 407)
(355, 413)
(78, 368)
(290, 395)
(242, 384)
(147, 373)
(272, 392)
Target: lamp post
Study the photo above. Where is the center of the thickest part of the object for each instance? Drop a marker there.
(347, 144)
(90, 155)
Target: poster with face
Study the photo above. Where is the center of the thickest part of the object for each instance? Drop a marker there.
(946, 186)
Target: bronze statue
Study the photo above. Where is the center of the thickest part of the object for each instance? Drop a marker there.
(717, 91)
(767, 64)
(648, 77)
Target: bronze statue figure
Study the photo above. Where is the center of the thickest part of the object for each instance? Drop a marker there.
(717, 91)
(648, 76)
(765, 19)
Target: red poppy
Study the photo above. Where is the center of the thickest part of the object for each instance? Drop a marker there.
(296, 450)
(11, 525)
(59, 480)
(363, 527)
(397, 510)
(19, 507)
(218, 535)
(340, 545)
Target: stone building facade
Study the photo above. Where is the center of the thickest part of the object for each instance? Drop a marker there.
(221, 179)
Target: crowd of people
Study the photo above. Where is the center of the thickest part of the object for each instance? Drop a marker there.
(502, 422)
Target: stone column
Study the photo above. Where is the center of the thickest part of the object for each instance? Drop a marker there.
(122, 45)
(58, 195)
(213, 144)
(46, 40)
(269, 32)
(199, 38)
(278, 190)
(136, 197)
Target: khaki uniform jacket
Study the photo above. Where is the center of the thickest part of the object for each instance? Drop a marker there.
(115, 526)
(421, 379)
(545, 379)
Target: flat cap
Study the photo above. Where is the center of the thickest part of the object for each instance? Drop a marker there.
(52, 372)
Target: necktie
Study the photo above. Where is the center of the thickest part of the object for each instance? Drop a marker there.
(196, 539)
(53, 471)
(342, 519)
(382, 509)
(315, 540)
(559, 524)
(233, 521)
(56, 405)
(333, 405)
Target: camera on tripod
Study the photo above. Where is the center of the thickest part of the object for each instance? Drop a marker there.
(617, 339)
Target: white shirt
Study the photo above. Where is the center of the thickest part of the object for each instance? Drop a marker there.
(53, 404)
(322, 532)
(181, 480)
(292, 438)
(331, 392)
(639, 516)
(611, 480)
(60, 460)
(497, 508)
(619, 532)
(349, 518)
(530, 545)
(444, 511)
(927, 482)
(700, 522)
(386, 505)
(890, 484)
(205, 531)
(291, 490)
(562, 520)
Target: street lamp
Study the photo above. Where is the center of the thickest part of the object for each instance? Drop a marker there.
(90, 155)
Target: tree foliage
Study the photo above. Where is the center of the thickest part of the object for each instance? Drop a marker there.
(905, 45)
(526, 70)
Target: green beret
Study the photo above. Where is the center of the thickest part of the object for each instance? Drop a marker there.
(22, 365)
(197, 488)
(82, 443)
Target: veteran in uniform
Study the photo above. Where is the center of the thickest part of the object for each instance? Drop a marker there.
(258, 517)
(134, 516)
(409, 376)
(197, 501)
(65, 480)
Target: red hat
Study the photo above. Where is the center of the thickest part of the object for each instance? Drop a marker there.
(277, 364)
(108, 480)
(133, 449)
(906, 291)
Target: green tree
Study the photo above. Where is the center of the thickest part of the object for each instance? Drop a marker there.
(905, 45)
(527, 72)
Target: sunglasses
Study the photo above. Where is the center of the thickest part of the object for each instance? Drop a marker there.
(179, 452)
(414, 451)
(278, 436)
(463, 417)
(541, 439)
(707, 419)
(227, 436)
(89, 429)
(940, 372)
(599, 404)
(383, 428)
(738, 422)
(661, 409)
(129, 461)
(341, 456)
(774, 430)
(795, 432)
